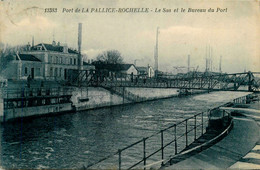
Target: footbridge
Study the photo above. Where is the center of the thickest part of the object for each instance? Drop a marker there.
(247, 81)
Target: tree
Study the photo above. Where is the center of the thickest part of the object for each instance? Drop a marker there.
(6, 55)
(110, 57)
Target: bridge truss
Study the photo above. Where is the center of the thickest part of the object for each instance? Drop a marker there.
(248, 81)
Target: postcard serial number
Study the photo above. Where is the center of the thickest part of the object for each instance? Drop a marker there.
(50, 10)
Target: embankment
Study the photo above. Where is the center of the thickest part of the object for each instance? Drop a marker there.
(96, 97)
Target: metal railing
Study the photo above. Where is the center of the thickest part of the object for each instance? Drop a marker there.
(31, 92)
(158, 148)
(243, 99)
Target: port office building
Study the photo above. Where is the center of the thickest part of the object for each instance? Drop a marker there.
(45, 61)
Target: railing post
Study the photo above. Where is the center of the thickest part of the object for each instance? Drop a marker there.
(162, 144)
(195, 126)
(202, 123)
(119, 159)
(175, 137)
(144, 154)
(186, 132)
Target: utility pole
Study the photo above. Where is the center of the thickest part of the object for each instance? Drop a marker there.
(156, 53)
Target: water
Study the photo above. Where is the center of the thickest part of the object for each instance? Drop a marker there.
(74, 140)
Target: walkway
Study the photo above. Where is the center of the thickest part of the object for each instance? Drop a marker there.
(252, 159)
(230, 152)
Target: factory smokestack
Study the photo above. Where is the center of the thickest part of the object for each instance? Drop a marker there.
(156, 54)
(79, 46)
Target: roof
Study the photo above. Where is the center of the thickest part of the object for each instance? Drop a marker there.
(113, 67)
(27, 57)
(87, 64)
(56, 48)
(144, 69)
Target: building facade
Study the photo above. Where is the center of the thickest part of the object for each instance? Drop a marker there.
(47, 62)
(115, 69)
(145, 71)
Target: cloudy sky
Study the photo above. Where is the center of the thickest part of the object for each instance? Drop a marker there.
(233, 34)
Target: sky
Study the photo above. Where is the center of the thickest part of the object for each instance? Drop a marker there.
(233, 34)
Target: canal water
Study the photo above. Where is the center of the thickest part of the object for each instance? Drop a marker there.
(77, 139)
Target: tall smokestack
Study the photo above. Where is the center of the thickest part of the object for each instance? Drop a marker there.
(79, 46)
(156, 53)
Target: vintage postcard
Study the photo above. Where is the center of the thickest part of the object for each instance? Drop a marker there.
(129, 84)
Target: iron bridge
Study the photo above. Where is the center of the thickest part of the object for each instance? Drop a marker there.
(247, 81)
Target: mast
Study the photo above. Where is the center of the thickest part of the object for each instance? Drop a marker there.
(220, 62)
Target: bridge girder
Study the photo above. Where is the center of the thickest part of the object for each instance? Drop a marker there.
(217, 82)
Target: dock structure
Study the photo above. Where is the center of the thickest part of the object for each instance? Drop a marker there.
(25, 102)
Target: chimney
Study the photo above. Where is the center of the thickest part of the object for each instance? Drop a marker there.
(79, 46)
(65, 49)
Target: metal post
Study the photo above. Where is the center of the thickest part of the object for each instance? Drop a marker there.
(186, 132)
(162, 144)
(202, 123)
(144, 156)
(119, 159)
(195, 127)
(175, 137)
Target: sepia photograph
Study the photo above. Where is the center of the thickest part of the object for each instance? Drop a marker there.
(129, 84)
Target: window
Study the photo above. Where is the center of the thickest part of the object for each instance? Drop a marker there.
(51, 72)
(74, 61)
(25, 70)
(57, 61)
(51, 60)
(60, 72)
(38, 71)
(60, 60)
(56, 72)
(71, 61)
